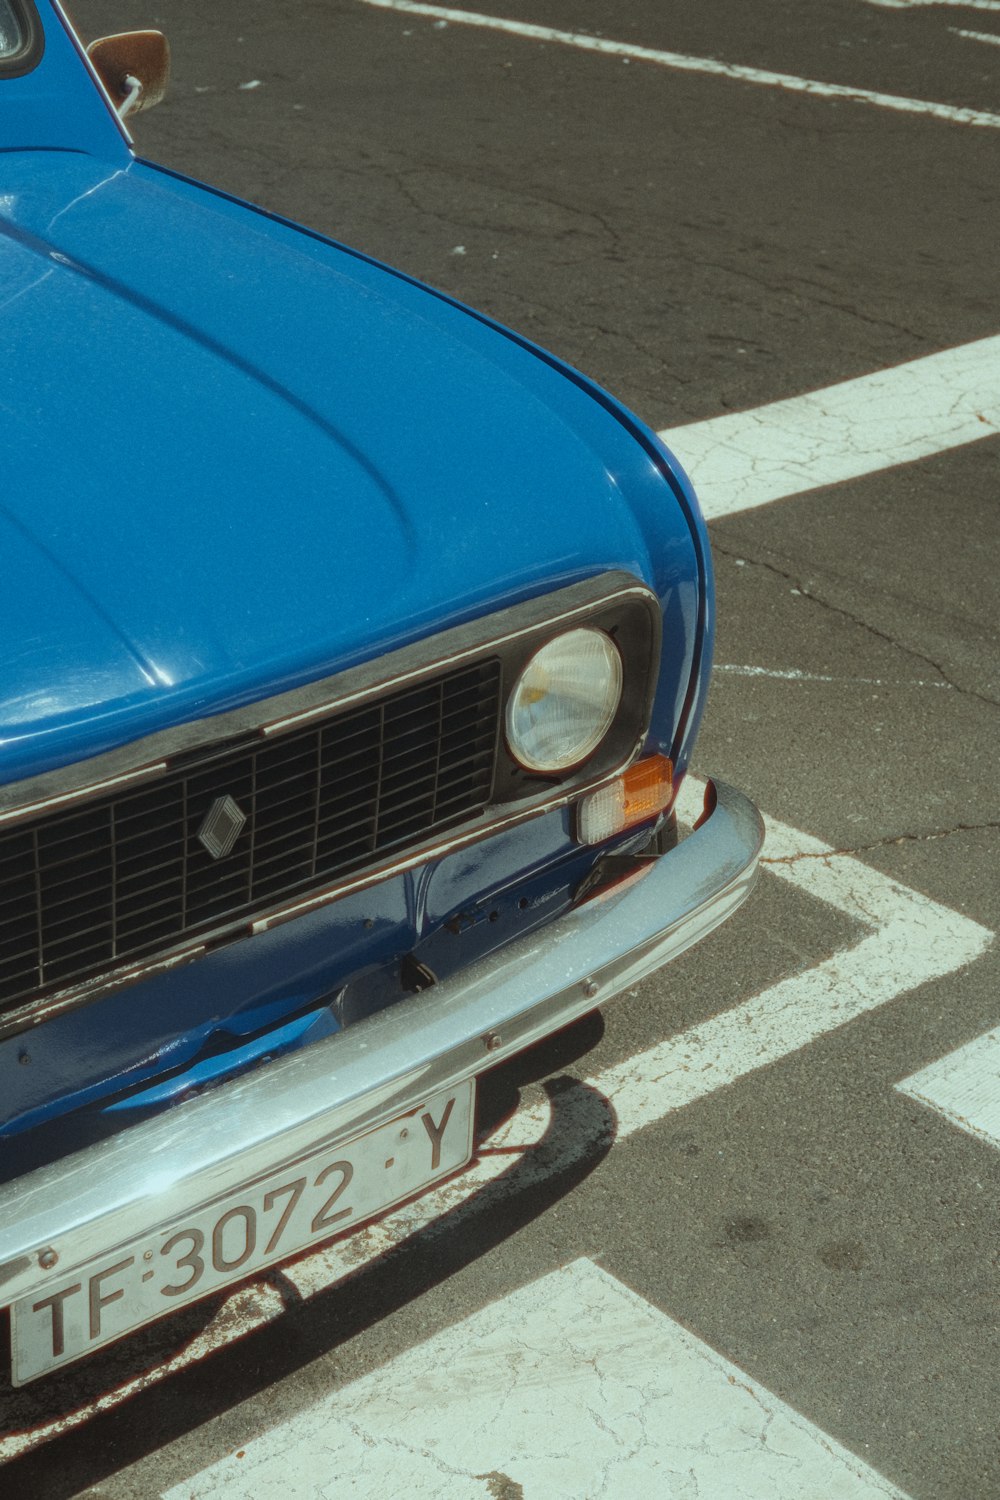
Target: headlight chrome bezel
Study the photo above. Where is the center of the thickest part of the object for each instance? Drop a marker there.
(628, 613)
(564, 701)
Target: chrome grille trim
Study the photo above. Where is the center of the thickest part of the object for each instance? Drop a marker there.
(152, 755)
(306, 829)
(189, 751)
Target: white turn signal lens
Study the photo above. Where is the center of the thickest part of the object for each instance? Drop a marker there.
(642, 793)
(565, 700)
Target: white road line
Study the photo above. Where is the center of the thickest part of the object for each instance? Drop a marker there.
(682, 62)
(572, 1386)
(964, 1086)
(909, 4)
(976, 36)
(909, 940)
(908, 412)
(792, 674)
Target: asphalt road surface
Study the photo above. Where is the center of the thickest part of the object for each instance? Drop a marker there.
(820, 1241)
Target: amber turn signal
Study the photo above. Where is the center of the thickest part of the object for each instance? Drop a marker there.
(640, 794)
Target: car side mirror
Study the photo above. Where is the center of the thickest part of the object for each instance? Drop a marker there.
(134, 67)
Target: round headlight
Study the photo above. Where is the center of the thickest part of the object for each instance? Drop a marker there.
(564, 701)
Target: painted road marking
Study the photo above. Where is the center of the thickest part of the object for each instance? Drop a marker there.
(964, 1086)
(792, 674)
(908, 4)
(976, 36)
(908, 940)
(907, 412)
(572, 1386)
(682, 62)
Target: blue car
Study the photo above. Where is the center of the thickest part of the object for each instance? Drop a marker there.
(353, 652)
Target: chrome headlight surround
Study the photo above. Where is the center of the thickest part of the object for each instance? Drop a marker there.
(619, 626)
(564, 701)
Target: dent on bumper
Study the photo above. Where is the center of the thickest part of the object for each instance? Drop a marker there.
(152, 1174)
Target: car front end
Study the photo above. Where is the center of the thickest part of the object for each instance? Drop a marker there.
(355, 650)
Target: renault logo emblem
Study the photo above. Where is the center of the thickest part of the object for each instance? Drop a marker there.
(221, 826)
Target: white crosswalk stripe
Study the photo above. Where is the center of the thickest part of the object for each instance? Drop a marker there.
(910, 411)
(964, 1086)
(572, 1387)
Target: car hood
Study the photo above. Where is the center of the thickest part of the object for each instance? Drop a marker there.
(238, 458)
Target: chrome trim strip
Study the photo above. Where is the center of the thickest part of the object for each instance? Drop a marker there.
(455, 657)
(58, 800)
(580, 600)
(35, 1012)
(283, 711)
(152, 1175)
(484, 827)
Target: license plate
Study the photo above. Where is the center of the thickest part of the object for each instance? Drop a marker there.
(256, 1225)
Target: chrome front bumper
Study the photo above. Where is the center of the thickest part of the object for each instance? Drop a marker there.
(62, 1216)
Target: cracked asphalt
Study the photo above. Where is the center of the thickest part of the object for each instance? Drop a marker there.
(698, 245)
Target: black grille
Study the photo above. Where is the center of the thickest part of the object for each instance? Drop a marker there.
(125, 876)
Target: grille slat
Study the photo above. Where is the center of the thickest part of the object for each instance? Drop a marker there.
(123, 877)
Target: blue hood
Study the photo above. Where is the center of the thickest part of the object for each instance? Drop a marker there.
(238, 458)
